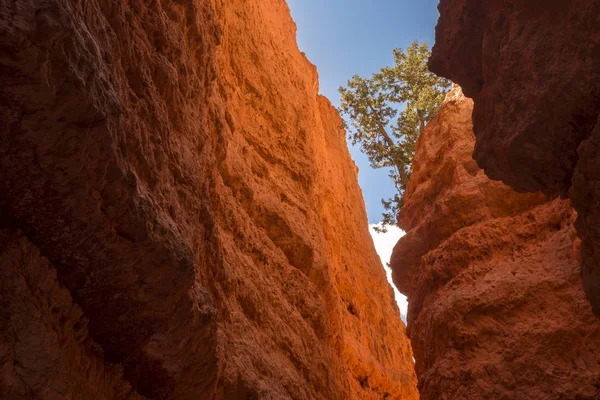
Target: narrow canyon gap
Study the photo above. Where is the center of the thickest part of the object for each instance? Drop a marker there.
(180, 216)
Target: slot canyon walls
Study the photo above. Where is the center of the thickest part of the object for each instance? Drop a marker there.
(532, 69)
(179, 214)
(497, 309)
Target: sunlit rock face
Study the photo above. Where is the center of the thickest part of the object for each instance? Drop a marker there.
(180, 217)
(497, 308)
(532, 69)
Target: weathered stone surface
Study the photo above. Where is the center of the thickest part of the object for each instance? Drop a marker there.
(447, 191)
(585, 196)
(532, 70)
(45, 348)
(180, 214)
(496, 304)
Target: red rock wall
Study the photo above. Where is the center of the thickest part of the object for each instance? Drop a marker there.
(497, 308)
(45, 348)
(532, 69)
(180, 215)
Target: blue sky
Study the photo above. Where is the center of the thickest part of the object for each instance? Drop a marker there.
(347, 37)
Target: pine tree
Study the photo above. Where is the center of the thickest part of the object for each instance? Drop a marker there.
(386, 113)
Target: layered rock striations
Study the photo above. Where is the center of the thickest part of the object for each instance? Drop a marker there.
(180, 217)
(531, 68)
(497, 307)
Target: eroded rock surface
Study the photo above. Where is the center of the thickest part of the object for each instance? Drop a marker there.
(180, 215)
(532, 69)
(497, 307)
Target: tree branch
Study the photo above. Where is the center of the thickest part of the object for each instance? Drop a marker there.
(421, 121)
(381, 130)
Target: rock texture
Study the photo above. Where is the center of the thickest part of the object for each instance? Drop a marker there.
(531, 68)
(497, 308)
(180, 217)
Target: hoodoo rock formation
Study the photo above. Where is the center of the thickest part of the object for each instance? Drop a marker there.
(532, 69)
(497, 309)
(179, 215)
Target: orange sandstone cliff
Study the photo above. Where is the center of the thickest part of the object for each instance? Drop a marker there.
(179, 214)
(497, 308)
(531, 68)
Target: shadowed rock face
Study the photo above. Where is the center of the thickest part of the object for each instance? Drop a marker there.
(532, 70)
(180, 217)
(496, 304)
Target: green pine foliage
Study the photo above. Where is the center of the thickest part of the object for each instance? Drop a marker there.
(386, 113)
